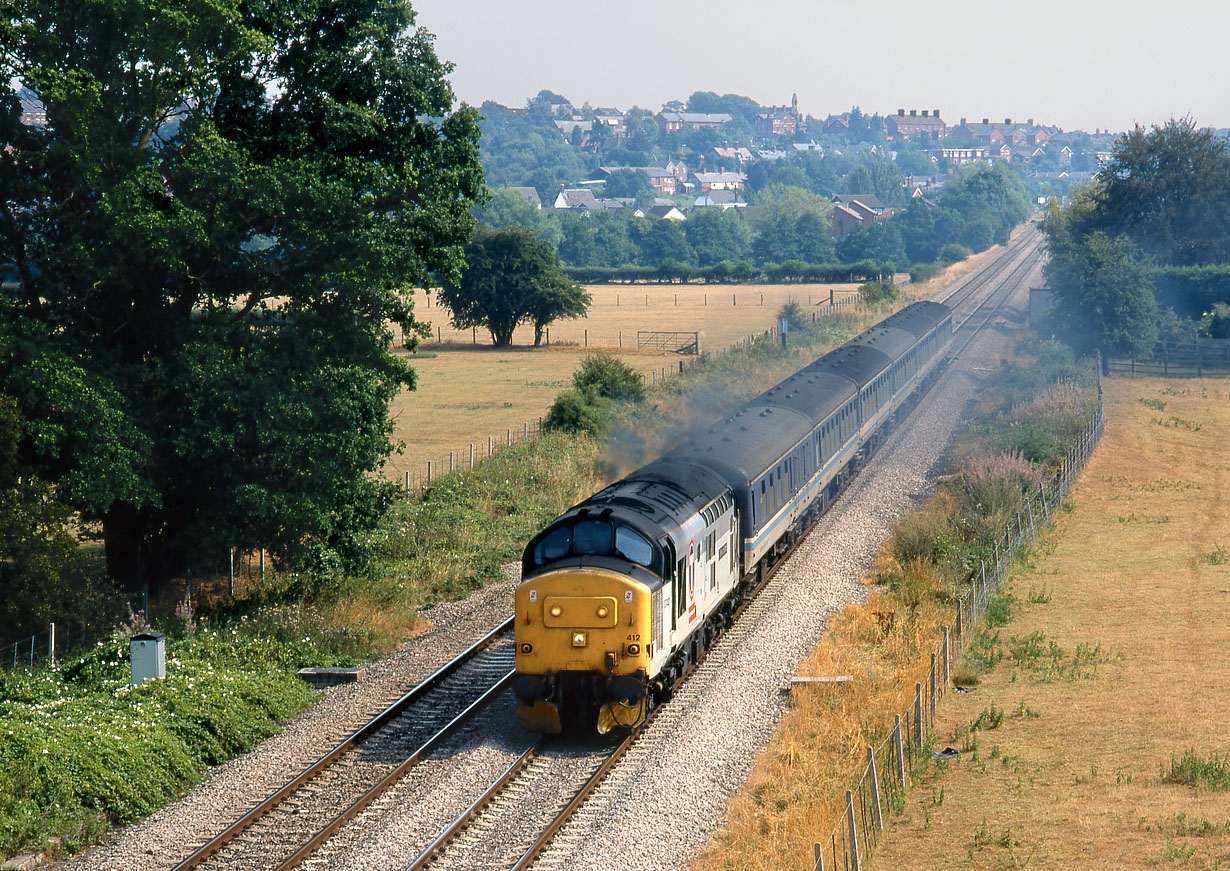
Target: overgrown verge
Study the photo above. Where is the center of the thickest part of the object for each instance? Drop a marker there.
(83, 750)
(795, 795)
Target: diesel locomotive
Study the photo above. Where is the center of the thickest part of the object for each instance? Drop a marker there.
(623, 592)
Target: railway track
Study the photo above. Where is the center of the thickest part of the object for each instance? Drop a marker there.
(283, 829)
(544, 785)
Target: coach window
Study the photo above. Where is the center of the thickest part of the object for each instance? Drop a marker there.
(554, 545)
(591, 537)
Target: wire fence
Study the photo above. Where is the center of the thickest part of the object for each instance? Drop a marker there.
(39, 648)
(891, 765)
(1196, 358)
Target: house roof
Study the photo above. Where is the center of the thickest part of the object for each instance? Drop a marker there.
(698, 117)
(530, 194)
(575, 198)
(721, 177)
(869, 201)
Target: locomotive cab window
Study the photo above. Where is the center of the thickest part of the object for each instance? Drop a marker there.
(554, 545)
(632, 546)
(591, 537)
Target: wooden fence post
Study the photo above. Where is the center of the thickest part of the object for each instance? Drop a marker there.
(853, 831)
(931, 681)
(918, 733)
(900, 750)
(876, 815)
(947, 658)
(958, 622)
(819, 853)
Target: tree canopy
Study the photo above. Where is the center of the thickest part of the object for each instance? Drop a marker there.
(1168, 190)
(511, 277)
(228, 204)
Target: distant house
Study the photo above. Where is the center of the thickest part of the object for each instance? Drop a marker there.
(721, 181)
(567, 127)
(577, 198)
(855, 210)
(661, 179)
(665, 212)
(842, 220)
(673, 122)
(809, 146)
(530, 195)
(869, 202)
(33, 112)
(722, 199)
(740, 154)
(779, 120)
(962, 155)
(927, 127)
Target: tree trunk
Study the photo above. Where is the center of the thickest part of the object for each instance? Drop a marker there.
(130, 561)
(538, 328)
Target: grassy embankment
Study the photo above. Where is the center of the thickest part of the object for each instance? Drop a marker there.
(1120, 760)
(795, 795)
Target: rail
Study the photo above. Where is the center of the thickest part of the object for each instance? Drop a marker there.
(202, 854)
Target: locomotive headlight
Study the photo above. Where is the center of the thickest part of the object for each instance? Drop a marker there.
(578, 639)
(556, 610)
(634, 650)
(602, 611)
(527, 648)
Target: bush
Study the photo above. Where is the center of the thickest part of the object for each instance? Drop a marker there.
(953, 253)
(610, 378)
(995, 483)
(921, 272)
(578, 411)
(878, 291)
(792, 313)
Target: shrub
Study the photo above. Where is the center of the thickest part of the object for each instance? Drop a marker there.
(994, 483)
(921, 272)
(878, 291)
(608, 377)
(954, 253)
(1196, 771)
(578, 411)
(792, 313)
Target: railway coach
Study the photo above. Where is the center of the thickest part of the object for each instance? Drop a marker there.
(622, 593)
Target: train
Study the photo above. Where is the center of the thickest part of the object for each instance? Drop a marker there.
(623, 592)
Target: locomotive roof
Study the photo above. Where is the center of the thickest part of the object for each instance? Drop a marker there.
(746, 441)
(657, 497)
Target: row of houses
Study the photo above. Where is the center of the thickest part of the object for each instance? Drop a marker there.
(849, 210)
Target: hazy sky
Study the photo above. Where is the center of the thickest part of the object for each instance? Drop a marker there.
(1076, 63)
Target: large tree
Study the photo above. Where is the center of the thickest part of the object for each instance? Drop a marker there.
(227, 208)
(511, 277)
(1103, 292)
(1168, 190)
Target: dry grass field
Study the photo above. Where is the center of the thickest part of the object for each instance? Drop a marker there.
(468, 391)
(1117, 662)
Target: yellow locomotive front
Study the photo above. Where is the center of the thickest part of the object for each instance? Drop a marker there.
(583, 650)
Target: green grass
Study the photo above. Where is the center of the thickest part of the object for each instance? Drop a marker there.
(1211, 774)
(81, 750)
